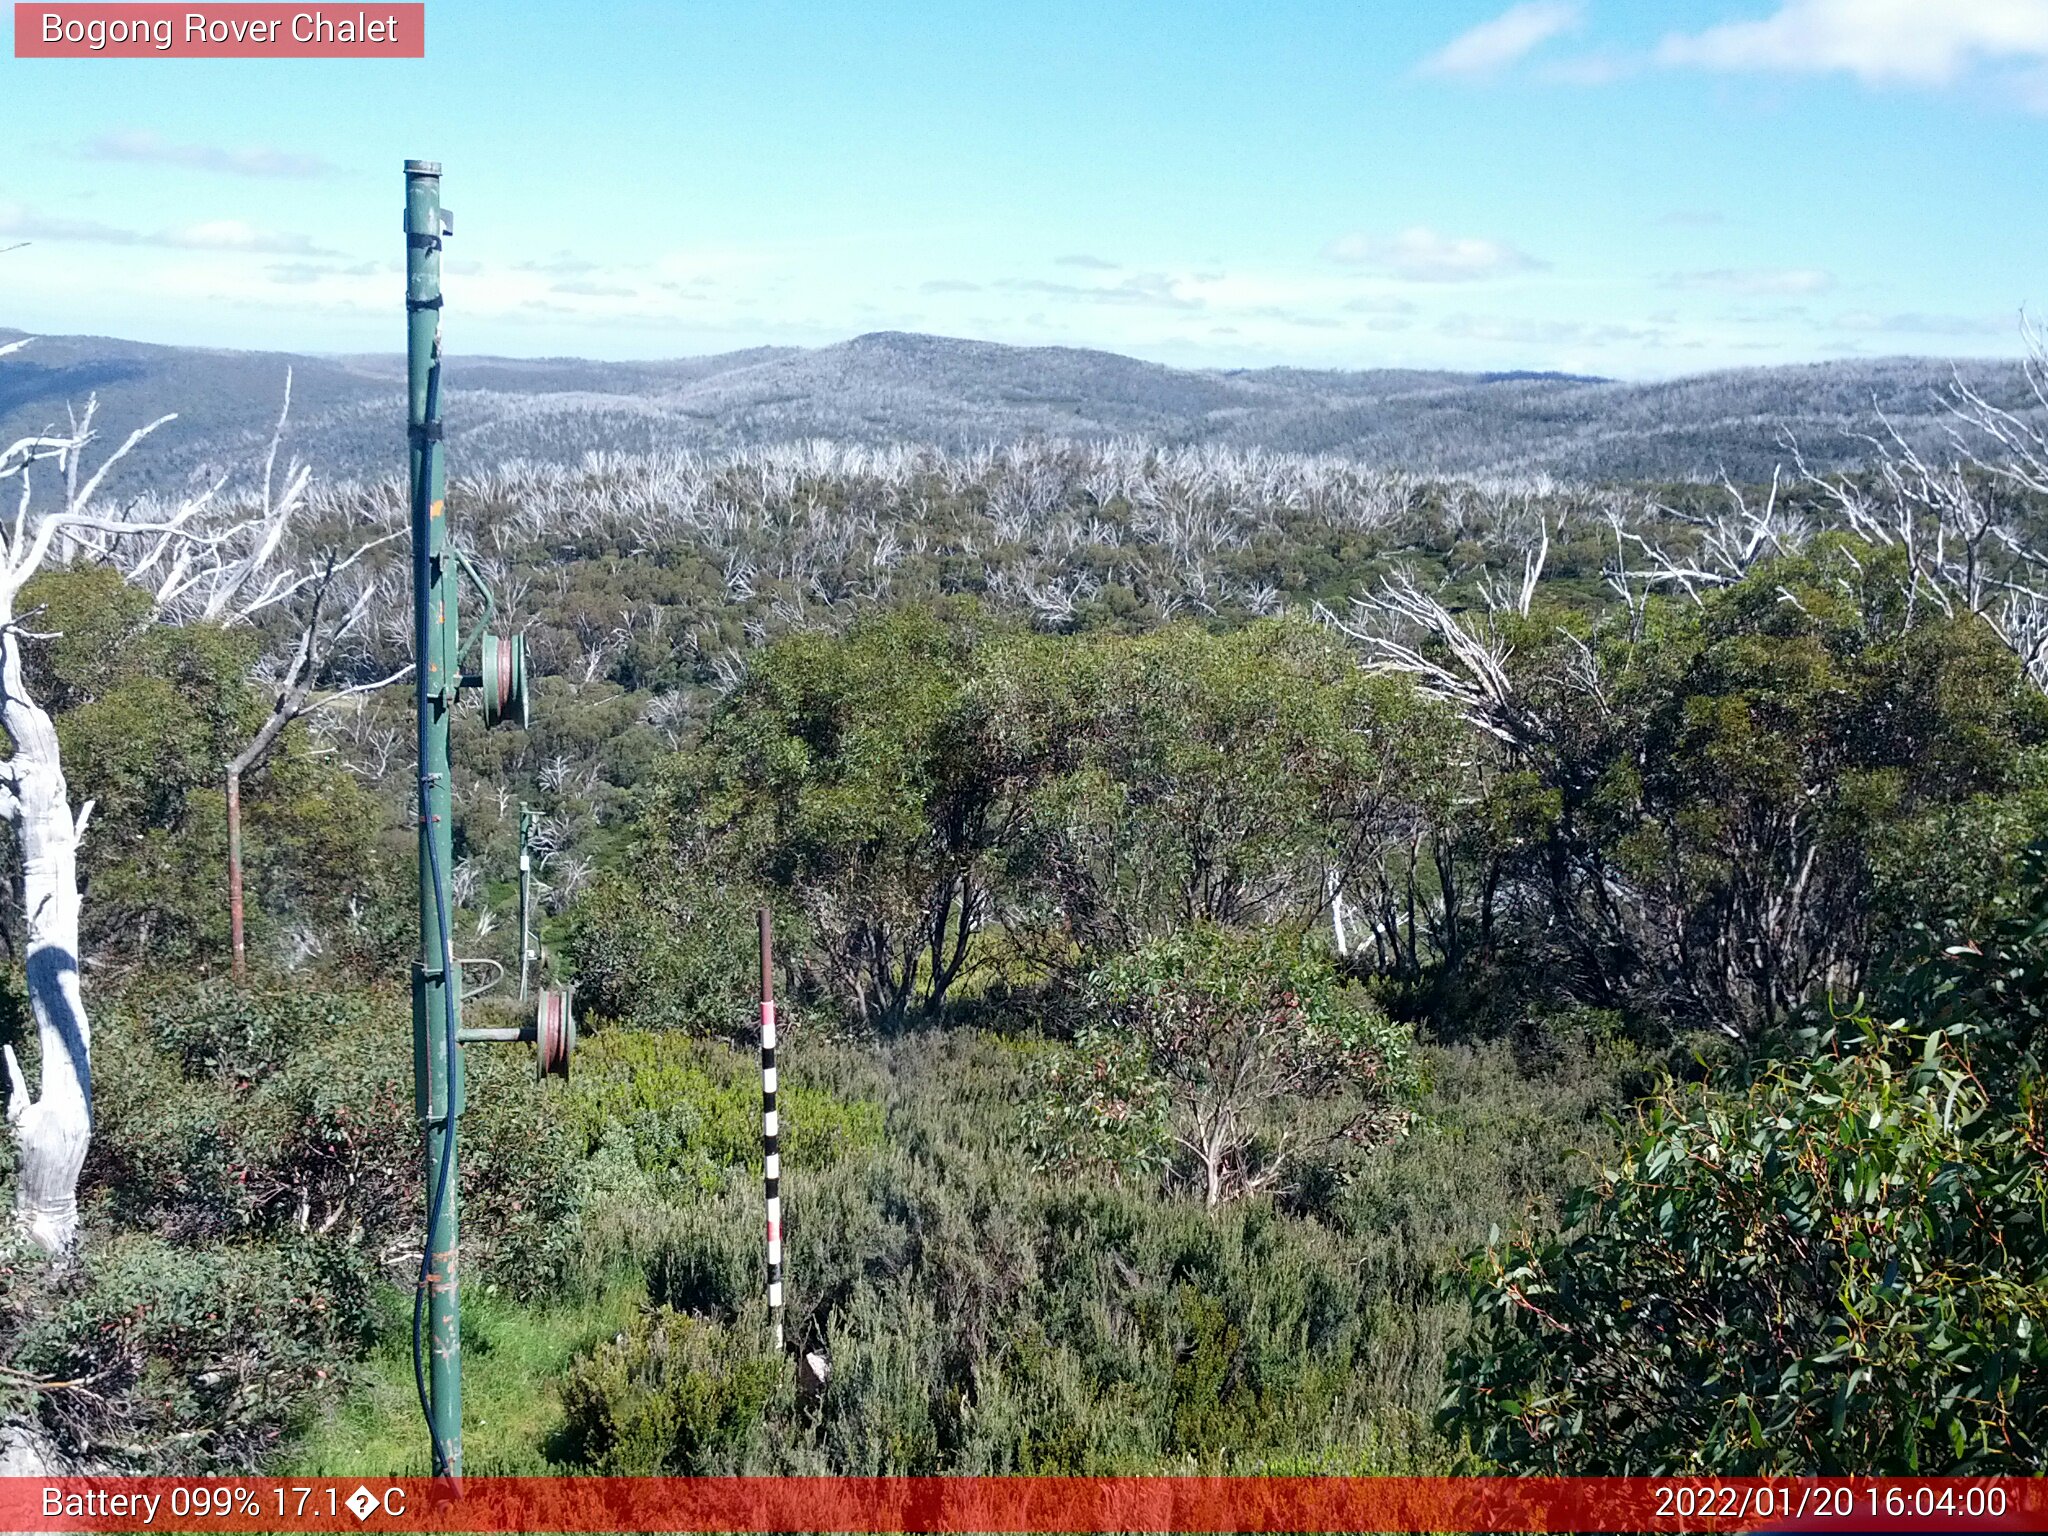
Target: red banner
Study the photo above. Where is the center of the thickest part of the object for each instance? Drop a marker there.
(1019, 1504)
(233, 31)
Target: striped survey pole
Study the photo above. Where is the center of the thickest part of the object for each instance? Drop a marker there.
(771, 1153)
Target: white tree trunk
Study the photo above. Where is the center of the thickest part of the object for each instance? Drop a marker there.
(51, 1132)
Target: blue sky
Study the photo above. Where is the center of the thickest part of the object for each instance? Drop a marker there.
(1611, 186)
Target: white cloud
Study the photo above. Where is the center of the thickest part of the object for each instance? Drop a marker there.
(235, 235)
(302, 272)
(1308, 320)
(1912, 42)
(1522, 329)
(1152, 290)
(1422, 255)
(212, 235)
(1754, 282)
(561, 264)
(1602, 68)
(583, 288)
(1919, 324)
(148, 148)
(1511, 36)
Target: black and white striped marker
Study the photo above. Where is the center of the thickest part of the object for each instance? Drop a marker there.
(771, 1131)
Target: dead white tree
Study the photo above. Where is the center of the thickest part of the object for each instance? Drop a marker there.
(1958, 528)
(1732, 542)
(1960, 520)
(325, 621)
(257, 573)
(1459, 659)
(53, 1127)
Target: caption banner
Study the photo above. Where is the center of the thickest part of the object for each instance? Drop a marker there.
(234, 31)
(1019, 1504)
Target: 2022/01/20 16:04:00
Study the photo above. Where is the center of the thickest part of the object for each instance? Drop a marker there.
(1824, 1505)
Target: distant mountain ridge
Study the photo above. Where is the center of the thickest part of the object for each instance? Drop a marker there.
(895, 386)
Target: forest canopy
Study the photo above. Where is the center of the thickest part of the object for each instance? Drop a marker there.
(1283, 967)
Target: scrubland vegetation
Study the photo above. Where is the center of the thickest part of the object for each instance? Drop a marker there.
(1287, 968)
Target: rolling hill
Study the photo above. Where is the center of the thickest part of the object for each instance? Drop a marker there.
(890, 386)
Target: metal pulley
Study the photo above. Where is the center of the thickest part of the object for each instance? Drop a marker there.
(554, 1039)
(501, 672)
(552, 1032)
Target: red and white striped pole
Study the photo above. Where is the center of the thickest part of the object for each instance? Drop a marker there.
(771, 1131)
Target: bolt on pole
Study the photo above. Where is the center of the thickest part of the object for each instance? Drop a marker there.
(436, 980)
(771, 1131)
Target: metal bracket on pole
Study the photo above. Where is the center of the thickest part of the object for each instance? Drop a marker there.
(467, 567)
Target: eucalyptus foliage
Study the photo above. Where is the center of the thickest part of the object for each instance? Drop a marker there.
(1836, 1261)
(1238, 1059)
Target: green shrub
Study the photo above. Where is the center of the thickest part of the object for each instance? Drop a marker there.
(691, 1111)
(225, 1031)
(655, 946)
(1097, 1106)
(982, 1318)
(1242, 1053)
(236, 1111)
(1836, 1262)
(886, 1405)
(522, 1191)
(709, 1259)
(184, 1359)
(273, 1109)
(673, 1394)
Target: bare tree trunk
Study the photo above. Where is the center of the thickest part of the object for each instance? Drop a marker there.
(241, 763)
(51, 1132)
(294, 698)
(235, 931)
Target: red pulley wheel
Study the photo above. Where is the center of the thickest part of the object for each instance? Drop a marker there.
(554, 1037)
(502, 673)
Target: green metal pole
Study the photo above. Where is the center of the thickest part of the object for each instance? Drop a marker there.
(437, 983)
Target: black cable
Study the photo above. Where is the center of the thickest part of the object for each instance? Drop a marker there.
(448, 986)
(419, 1297)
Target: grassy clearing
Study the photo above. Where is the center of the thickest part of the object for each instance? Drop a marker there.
(933, 1262)
(513, 1358)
